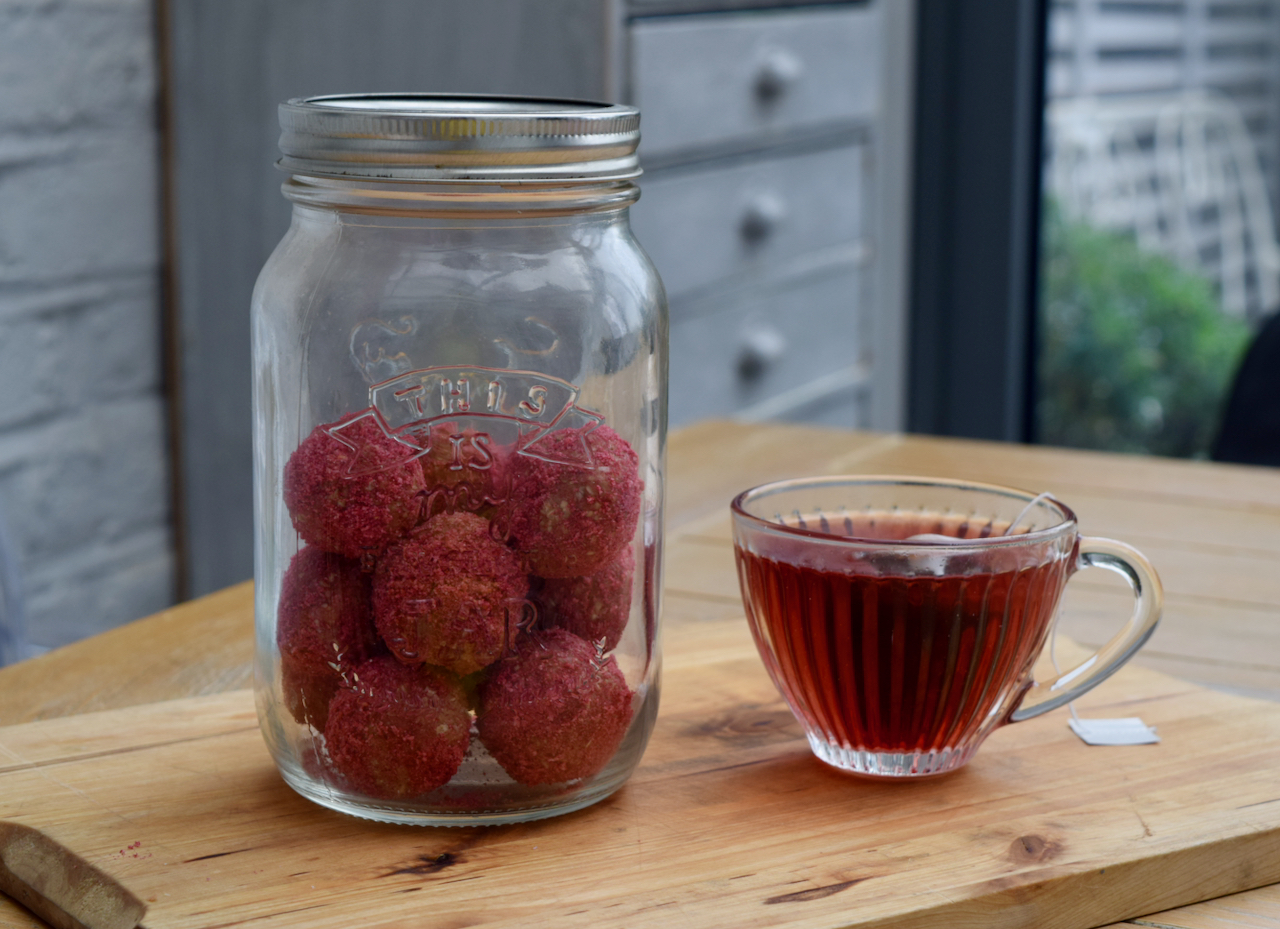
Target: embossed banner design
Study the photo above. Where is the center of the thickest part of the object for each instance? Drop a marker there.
(486, 406)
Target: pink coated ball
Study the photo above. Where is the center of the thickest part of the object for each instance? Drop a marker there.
(396, 732)
(594, 608)
(464, 469)
(324, 627)
(352, 501)
(571, 521)
(555, 710)
(450, 595)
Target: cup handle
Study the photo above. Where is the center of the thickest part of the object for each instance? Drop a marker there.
(1133, 566)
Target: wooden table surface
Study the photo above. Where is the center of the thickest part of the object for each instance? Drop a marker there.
(1213, 532)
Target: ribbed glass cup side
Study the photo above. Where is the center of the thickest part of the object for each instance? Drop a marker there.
(899, 656)
(891, 764)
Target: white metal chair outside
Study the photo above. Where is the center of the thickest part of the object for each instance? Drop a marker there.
(1182, 174)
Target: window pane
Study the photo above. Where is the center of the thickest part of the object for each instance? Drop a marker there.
(1159, 253)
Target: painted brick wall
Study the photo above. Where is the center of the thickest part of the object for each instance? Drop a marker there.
(83, 473)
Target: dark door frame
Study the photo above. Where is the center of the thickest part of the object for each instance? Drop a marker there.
(976, 217)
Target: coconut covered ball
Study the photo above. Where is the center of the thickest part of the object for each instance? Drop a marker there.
(571, 521)
(595, 607)
(352, 501)
(554, 710)
(449, 595)
(396, 732)
(464, 469)
(324, 628)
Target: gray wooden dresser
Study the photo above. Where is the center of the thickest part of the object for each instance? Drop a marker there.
(756, 130)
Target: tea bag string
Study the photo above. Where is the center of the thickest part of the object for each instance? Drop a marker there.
(935, 537)
(1053, 633)
(1035, 501)
(1053, 657)
(1131, 731)
(1057, 619)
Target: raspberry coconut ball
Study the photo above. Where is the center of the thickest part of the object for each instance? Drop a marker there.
(553, 711)
(594, 608)
(324, 628)
(396, 732)
(465, 467)
(571, 521)
(352, 501)
(449, 595)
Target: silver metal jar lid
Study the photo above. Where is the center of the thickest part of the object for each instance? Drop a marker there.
(462, 138)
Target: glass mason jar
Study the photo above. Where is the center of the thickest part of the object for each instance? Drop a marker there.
(460, 372)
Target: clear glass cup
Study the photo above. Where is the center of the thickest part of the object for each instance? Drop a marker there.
(460, 415)
(900, 617)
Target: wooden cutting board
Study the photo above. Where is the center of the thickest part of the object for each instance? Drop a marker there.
(728, 822)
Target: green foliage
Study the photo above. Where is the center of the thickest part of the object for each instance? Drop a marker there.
(1135, 355)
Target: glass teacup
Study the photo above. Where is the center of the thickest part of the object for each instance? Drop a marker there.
(900, 617)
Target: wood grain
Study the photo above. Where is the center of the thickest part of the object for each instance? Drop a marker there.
(710, 463)
(205, 646)
(1257, 909)
(728, 822)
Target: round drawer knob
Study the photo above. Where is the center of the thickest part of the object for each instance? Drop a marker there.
(764, 213)
(778, 71)
(760, 346)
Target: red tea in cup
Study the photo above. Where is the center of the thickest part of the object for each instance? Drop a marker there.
(900, 617)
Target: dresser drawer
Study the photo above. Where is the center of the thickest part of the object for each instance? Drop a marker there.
(706, 225)
(753, 351)
(703, 80)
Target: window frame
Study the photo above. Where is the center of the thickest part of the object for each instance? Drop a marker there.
(974, 257)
